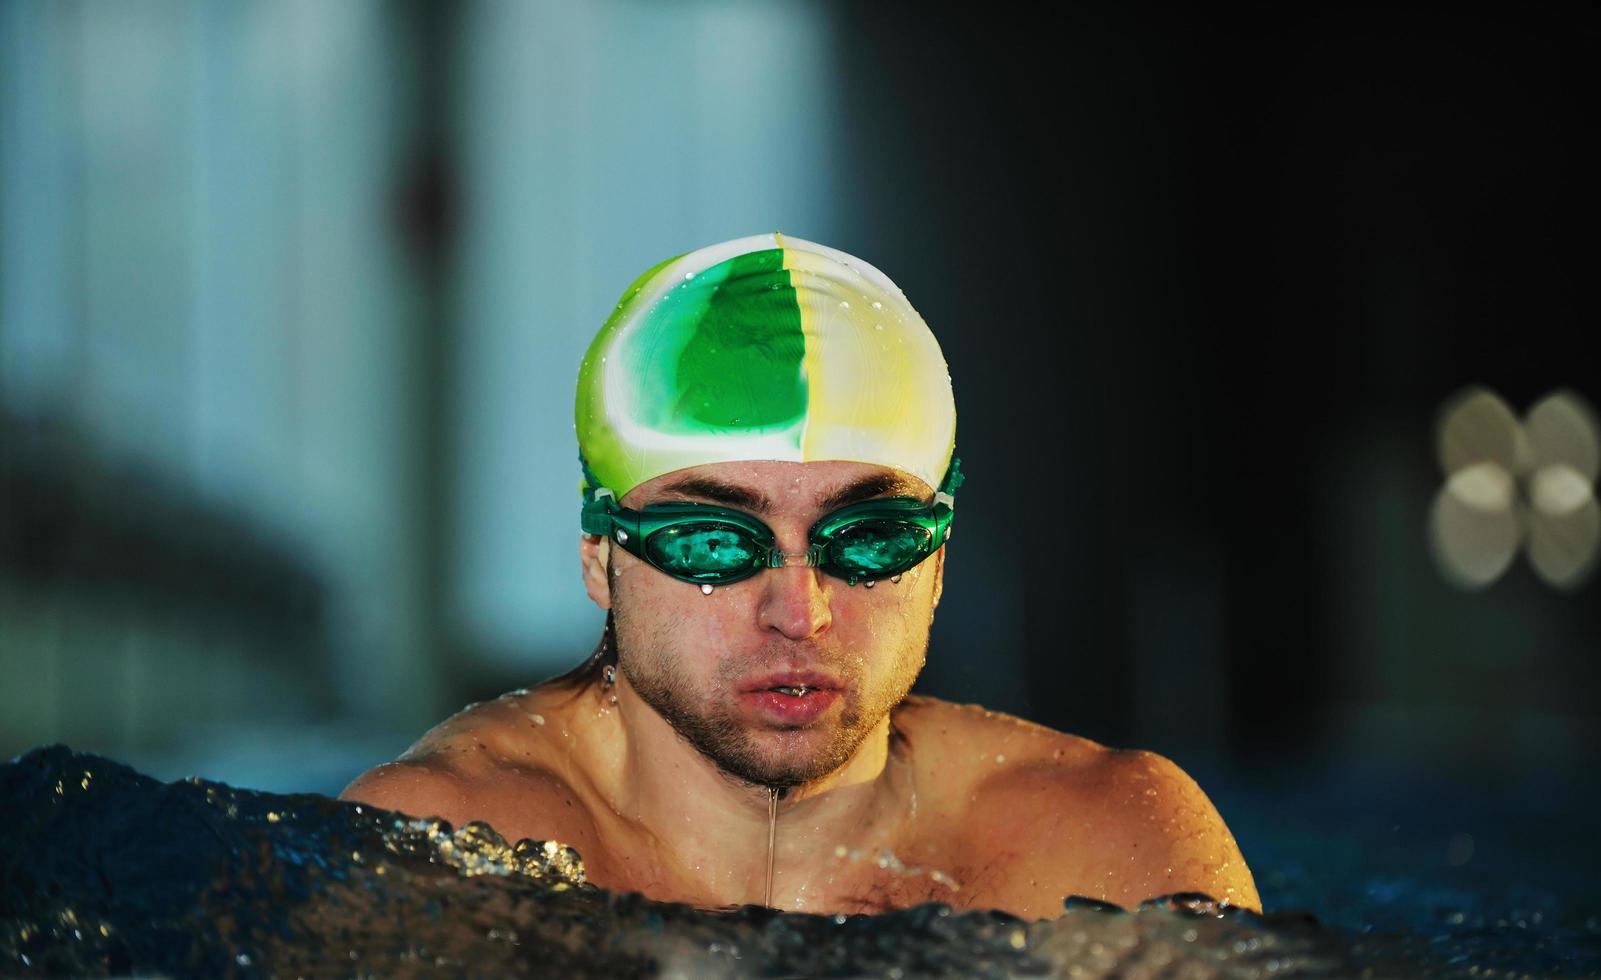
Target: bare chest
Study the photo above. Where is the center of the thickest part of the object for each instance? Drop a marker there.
(822, 880)
(884, 885)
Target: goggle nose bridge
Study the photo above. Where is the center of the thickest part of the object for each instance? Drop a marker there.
(812, 557)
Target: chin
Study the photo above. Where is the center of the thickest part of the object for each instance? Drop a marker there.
(790, 758)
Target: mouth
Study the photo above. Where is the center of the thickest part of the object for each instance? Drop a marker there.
(791, 699)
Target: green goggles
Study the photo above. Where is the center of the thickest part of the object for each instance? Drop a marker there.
(710, 545)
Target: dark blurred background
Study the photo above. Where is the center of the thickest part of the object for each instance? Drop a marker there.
(293, 294)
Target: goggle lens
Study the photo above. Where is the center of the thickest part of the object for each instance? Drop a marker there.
(872, 548)
(703, 551)
(714, 552)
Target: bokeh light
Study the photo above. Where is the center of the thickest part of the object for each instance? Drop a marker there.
(1473, 545)
(1562, 430)
(1480, 519)
(1478, 426)
(1563, 547)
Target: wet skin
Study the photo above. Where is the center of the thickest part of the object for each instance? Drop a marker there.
(892, 800)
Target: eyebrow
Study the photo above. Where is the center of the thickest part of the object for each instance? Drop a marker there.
(729, 494)
(744, 498)
(868, 487)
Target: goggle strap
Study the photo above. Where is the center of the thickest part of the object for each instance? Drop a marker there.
(591, 482)
(953, 479)
(596, 514)
(946, 494)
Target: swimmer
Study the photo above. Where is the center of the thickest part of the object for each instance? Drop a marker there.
(766, 432)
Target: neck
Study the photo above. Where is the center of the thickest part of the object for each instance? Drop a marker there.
(708, 830)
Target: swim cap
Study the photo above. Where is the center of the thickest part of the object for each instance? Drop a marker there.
(766, 347)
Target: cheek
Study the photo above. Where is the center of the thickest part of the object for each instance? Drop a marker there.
(662, 618)
(889, 613)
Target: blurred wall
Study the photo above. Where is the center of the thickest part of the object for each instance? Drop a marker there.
(208, 351)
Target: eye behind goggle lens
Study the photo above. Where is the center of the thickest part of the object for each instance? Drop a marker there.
(879, 548)
(703, 551)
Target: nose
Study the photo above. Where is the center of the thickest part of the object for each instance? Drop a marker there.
(793, 602)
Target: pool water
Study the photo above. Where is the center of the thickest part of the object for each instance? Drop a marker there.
(107, 872)
(1472, 874)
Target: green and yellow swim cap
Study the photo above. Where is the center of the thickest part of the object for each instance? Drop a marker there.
(762, 348)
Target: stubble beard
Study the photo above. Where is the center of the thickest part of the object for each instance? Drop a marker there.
(764, 756)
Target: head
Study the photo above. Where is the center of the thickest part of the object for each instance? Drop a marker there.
(704, 661)
(784, 381)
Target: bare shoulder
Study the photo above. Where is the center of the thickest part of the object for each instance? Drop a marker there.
(973, 743)
(489, 762)
(1064, 815)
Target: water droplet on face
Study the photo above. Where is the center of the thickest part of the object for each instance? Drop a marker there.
(870, 583)
(896, 579)
(705, 590)
(622, 536)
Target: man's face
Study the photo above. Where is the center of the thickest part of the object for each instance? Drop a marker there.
(705, 663)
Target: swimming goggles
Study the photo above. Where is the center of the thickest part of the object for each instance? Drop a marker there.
(706, 544)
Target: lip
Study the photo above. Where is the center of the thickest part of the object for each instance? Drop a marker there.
(810, 679)
(788, 710)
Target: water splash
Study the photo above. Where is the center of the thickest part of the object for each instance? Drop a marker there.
(885, 859)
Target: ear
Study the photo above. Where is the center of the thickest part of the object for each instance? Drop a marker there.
(594, 558)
